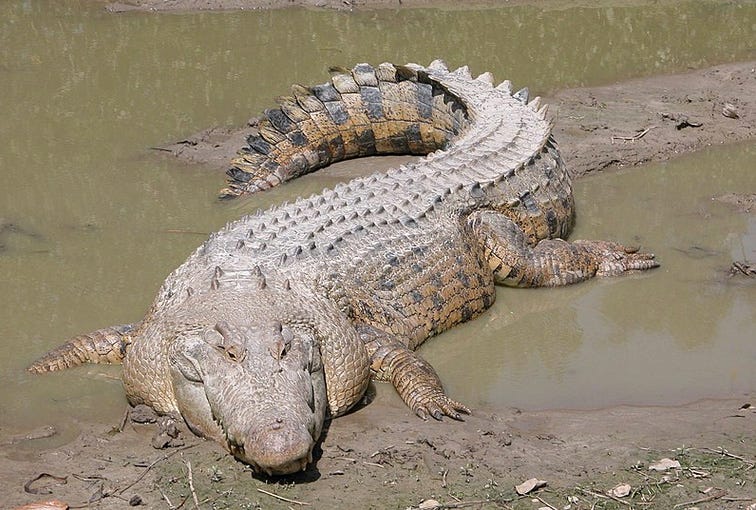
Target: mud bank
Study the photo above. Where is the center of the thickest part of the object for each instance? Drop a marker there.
(383, 457)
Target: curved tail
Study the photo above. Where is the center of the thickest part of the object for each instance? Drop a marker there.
(106, 345)
(362, 111)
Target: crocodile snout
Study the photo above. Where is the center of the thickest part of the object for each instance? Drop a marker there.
(279, 447)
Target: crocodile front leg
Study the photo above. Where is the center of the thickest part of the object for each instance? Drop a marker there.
(413, 377)
(551, 262)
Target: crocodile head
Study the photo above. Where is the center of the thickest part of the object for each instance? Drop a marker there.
(257, 389)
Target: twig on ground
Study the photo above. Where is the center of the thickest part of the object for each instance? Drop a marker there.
(190, 478)
(220, 495)
(722, 451)
(716, 495)
(170, 505)
(634, 137)
(608, 496)
(546, 503)
(124, 419)
(283, 498)
(152, 465)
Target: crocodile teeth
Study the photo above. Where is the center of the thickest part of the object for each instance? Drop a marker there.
(543, 111)
(506, 86)
(522, 95)
(535, 104)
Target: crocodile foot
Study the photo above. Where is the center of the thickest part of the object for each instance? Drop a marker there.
(614, 258)
(429, 401)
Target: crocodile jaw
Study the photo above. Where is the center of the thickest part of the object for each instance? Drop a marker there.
(266, 403)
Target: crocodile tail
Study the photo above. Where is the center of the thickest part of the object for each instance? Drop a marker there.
(361, 111)
(107, 345)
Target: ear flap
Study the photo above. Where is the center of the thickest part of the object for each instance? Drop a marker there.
(183, 356)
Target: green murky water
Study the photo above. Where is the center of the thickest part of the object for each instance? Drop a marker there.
(679, 333)
(91, 221)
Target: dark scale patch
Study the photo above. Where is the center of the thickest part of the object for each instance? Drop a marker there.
(417, 296)
(551, 221)
(388, 284)
(438, 300)
(399, 144)
(270, 166)
(364, 74)
(279, 120)
(424, 100)
(338, 113)
(419, 250)
(366, 142)
(393, 260)
(297, 138)
(324, 152)
(257, 144)
(488, 299)
(336, 146)
(464, 278)
(466, 313)
(417, 268)
(415, 140)
(299, 165)
(326, 92)
(530, 204)
(238, 174)
(371, 98)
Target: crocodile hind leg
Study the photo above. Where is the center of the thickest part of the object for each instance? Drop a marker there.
(551, 262)
(413, 377)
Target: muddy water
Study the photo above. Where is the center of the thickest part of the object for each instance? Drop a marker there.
(91, 221)
(681, 332)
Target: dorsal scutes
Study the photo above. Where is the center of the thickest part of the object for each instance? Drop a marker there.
(498, 133)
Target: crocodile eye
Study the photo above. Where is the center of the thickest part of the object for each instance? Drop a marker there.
(235, 353)
(223, 339)
(282, 341)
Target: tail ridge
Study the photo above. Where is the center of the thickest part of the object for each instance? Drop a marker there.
(106, 345)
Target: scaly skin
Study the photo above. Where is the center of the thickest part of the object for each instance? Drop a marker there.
(285, 312)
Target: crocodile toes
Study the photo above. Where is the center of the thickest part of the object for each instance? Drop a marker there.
(614, 258)
(623, 259)
(439, 405)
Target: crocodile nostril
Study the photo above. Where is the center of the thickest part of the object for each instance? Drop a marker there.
(278, 424)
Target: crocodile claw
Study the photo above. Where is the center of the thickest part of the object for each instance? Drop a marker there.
(439, 405)
(614, 258)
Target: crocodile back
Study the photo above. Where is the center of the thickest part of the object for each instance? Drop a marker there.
(496, 151)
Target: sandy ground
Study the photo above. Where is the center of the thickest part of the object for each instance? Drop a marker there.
(380, 455)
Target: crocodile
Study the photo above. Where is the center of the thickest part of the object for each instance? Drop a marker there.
(282, 317)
